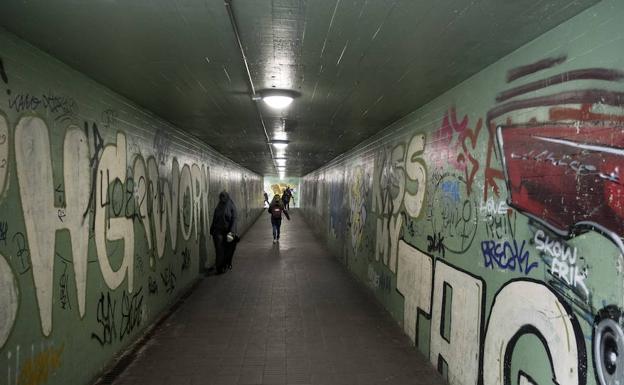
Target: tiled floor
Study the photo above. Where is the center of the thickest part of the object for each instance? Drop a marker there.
(286, 314)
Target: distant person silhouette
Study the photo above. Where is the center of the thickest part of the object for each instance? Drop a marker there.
(266, 199)
(286, 197)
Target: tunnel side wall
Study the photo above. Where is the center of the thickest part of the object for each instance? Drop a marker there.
(104, 218)
(488, 223)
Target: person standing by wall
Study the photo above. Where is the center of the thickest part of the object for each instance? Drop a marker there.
(286, 197)
(223, 231)
(276, 208)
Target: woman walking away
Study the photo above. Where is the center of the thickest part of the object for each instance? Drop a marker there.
(276, 208)
(223, 231)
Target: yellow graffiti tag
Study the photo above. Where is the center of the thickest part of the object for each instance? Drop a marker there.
(279, 188)
(37, 369)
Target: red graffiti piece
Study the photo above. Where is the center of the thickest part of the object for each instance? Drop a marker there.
(461, 158)
(443, 137)
(586, 97)
(450, 125)
(444, 146)
(458, 126)
(583, 114)
(445, 133)
(491, 174)
(518, 72)
(582, 74)
(565, 174)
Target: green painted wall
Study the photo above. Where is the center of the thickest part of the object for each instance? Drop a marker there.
(489, 222)
(104, 210)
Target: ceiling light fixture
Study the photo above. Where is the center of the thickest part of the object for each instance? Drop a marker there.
(280, 144)
(275, 98)
(280, 162)
(252, 88)
(278, 101)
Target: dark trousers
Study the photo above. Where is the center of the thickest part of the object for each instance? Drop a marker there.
(276, 224)
(224, 251)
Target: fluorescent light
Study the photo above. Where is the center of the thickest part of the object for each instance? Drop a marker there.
(282, 175)
(280, 162)
(278, 101)
(280, 144)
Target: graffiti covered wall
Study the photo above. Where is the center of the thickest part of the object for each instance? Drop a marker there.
(489, 222)
(104, 218)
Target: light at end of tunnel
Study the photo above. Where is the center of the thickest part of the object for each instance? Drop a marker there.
(278, 101)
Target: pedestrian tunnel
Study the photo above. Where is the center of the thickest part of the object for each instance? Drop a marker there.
(327, 192)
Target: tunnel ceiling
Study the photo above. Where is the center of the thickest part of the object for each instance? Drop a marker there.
(358, 65)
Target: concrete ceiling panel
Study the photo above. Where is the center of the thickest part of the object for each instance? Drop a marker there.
(358, 65)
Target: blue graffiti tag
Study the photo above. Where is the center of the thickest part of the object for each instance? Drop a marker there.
(451, 189)
(507, 256)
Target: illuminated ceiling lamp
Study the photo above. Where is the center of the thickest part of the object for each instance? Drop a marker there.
(280, 161)
(280, 144)
(281, 170)
(277, 99)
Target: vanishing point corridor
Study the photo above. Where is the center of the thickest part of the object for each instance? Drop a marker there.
(287, 313)
(454, 169)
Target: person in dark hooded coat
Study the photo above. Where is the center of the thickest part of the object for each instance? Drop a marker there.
(223, 231)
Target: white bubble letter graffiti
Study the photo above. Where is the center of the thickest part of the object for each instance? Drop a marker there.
(415, 170)
(171, 203)
(396, 224)
(34, 171)
(196, 201)
(414, 279)
(164, 204)
(186, 191)
(461, 351)
(140, 196)
(523, 307)
(4, 154)
(8, 300)
(113, 167)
